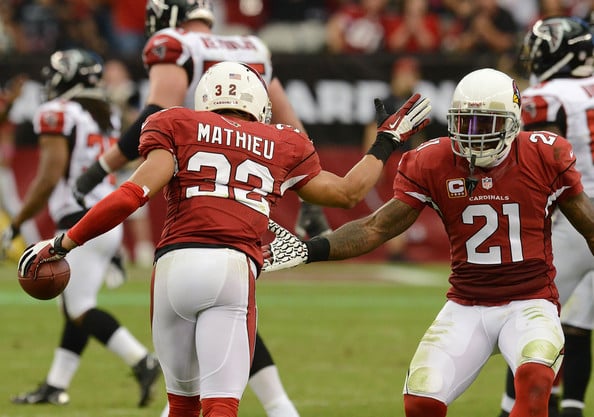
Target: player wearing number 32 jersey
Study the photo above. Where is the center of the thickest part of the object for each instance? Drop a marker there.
(221, 169)
(249, 164)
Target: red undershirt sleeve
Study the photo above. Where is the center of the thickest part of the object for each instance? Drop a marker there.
(108, 213)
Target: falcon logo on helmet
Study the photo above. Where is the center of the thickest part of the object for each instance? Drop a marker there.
(558, 47)
(73, 73)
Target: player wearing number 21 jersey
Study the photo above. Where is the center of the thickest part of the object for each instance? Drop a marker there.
(500, 232)
(496, 189)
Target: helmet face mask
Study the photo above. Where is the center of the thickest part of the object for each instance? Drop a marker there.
(480, 135)
(233, 86)
(72, 72)
(484, 118)
(161, 14)
(558, 46)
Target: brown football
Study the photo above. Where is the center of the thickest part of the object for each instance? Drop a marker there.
(51, 279)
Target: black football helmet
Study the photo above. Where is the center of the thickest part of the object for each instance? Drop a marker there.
(72, 71)
(558, 46)
(161, 14)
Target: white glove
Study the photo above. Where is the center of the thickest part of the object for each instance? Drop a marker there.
(285, 251)
(408, 119)
(45, 251)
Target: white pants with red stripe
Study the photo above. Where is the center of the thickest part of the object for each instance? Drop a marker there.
(204, 321)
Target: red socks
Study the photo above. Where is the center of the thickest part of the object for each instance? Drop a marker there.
(220, 407)
(415, 406)
(180, 406)
(533, 382)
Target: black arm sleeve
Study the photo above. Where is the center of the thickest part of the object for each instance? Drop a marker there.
(129, 141)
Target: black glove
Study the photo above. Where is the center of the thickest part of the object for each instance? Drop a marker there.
(311, 221)
(394, 129)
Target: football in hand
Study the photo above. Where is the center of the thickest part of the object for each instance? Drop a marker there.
(51, 279)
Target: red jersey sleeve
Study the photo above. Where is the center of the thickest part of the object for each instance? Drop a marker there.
(406, 186)
(163, 48)
(560, 158)
(52, 119)
(157, 133)
(412, 184)
(307, 159)
(535, 110)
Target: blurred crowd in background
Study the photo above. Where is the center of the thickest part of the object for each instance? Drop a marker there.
(116, 27)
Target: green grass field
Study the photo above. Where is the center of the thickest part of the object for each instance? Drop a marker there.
(342, 335)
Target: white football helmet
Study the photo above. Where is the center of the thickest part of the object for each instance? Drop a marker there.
(233, 86)
(484, 118)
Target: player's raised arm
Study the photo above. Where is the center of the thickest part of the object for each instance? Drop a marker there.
(329, 189)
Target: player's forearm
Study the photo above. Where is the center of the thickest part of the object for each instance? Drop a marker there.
(353, 239)
(361, 178)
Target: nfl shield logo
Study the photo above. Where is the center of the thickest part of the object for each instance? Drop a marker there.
(487, 183)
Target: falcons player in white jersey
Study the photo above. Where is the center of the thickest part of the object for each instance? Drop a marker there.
(558, 55)
(74, 128)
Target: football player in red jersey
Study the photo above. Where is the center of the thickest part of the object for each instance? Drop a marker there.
(557, 52)
(222, 169)
(495, 189)
(181, 47)
(74, 125)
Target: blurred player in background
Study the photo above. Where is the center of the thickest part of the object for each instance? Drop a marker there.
(557, 52)
(180, 49)
(74, 127)
(222, 168)
(10, 200)
(496, 188)
(123, 92)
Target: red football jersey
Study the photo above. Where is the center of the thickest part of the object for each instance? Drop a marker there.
(230, 173)
(500, 233)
